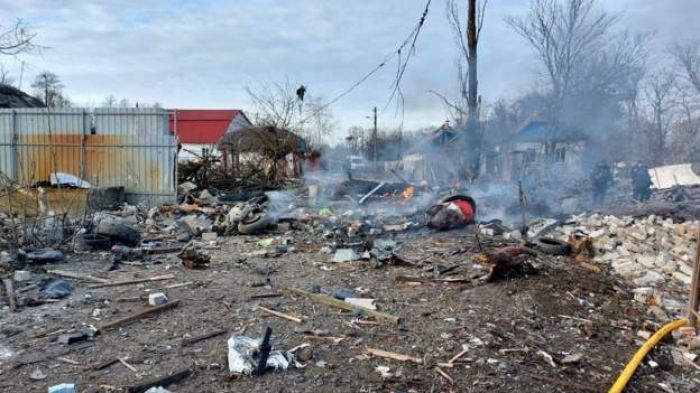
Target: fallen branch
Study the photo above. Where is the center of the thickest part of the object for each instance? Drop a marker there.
(78, 276)
(345, 306)
(141, 314)
(163, 381)
(394, 355)
(129, 282)
(279, 314)
(10, 291)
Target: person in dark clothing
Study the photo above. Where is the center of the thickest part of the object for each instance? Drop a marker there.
(601, 179)
(641, 182)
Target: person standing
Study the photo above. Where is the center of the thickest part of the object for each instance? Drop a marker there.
(641, 182)
(601, 179)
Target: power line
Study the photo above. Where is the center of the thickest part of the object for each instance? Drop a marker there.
(410, 39)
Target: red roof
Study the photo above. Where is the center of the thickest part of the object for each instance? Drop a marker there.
(202, 126)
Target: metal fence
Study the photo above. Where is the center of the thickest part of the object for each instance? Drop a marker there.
(129, 147)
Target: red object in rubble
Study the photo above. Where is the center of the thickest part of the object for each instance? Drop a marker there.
(466, 209)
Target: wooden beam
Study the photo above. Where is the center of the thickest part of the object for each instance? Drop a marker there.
(78, 276)
(129, 282)
(393, 355)
(694, 300)
(163, 381)
(141, 314)
(280, 314)
(386, 318)
(193, 340)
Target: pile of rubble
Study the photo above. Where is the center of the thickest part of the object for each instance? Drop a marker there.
(650, 252)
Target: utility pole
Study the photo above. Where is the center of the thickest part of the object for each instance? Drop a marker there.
(374, 137)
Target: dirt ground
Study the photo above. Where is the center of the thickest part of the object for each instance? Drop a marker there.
(519, 331)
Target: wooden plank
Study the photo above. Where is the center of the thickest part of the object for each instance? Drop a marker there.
(694, 300)
(130, 282)
(163, 381)
(387, 318)
(141, 314)
(393, 355)
(10, 292)
(193, 340)
(280, 314)
(78, 276)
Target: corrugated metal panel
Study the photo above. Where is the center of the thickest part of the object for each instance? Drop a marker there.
(107, 147)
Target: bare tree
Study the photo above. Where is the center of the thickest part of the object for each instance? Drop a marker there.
(278, 105)
(5, 77)
(659, 97)
(687, 56)
(593, 73)
(110, 101)
(16, 39)
(564, 34)
(49, 88)
(466, 33)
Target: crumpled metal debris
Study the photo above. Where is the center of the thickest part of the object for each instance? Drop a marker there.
(55, 288)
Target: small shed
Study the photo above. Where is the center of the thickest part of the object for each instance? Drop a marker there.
(277, 150)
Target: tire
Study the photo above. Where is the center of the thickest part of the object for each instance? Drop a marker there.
(254, 220)
(121, 232)
(551, 246)
(91, 241)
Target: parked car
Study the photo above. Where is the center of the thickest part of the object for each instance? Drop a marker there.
(357, 162)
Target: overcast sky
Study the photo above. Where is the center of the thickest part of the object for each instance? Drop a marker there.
(202, 54)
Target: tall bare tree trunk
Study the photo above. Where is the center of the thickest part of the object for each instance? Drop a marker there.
(472, 42)
(472, 95)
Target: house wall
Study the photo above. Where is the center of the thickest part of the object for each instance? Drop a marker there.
(186, 153)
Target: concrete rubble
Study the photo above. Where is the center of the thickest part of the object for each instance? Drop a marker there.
(654, 254)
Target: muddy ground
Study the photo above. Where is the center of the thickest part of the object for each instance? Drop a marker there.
(511, 327)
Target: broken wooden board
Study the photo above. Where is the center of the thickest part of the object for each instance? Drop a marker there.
(141, 314)
(386, 318)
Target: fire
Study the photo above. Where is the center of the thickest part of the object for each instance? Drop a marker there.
(408, 192)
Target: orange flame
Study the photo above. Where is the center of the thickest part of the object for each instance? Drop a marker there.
(408, 192)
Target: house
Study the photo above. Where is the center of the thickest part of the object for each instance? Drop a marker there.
(11, 97)
(278, 152)
(199, 130)
(536, 148)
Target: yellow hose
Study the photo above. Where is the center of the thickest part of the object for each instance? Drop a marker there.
(631, 367)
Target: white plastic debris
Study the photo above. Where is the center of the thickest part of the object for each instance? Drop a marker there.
(157, 389)
(243, 352)
(66, 179)
(156, 299)
(62, 388)
(345, 255)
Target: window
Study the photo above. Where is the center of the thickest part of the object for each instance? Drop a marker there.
(205, 152)
(560, 155)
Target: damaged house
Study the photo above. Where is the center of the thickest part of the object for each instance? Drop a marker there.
(423, 163)
(278, 152)
(199, 130)
(537, 149)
